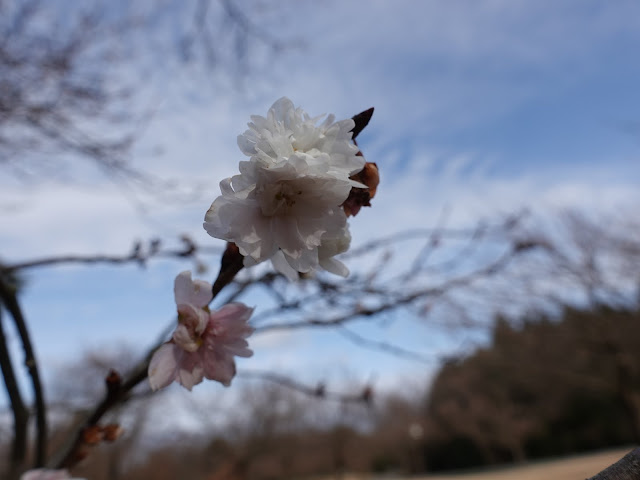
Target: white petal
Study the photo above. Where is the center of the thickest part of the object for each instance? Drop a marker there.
(334, 266)
(280, 264)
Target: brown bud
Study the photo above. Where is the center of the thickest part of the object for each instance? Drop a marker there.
(367, 395)
(188, 245)
(320, 391)
(113, 382)
(361, 197)
(92, 435)
(112, 432)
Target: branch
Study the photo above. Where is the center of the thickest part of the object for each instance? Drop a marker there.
(359, 311)
(137, 255)
(383, 346)
(627, 468)
(20, 412)
(10, 301)
(118, 391)
(365, 396)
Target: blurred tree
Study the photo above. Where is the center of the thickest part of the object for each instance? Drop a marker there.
(550, 387)
(72, 74)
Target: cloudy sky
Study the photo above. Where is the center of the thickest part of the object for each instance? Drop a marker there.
(482, 107)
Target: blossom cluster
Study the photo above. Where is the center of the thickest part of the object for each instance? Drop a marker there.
(204, 343)
(289, 204)
(286, 203)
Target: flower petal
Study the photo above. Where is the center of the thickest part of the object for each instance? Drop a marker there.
(163, 366)
(193, 292)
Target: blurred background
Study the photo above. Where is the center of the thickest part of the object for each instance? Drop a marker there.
(491, 315)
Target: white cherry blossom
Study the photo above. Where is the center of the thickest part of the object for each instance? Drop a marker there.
(285, 205)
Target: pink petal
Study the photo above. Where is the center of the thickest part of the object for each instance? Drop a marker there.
(163, 366)
(231, 313)
(192, 292)
(219, 367)
(190, 377)
(238, 348)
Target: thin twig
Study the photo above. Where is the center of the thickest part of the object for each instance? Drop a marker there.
(406, 299)
(136, 254)
(384, 346)
(117, 392)
(318, 391)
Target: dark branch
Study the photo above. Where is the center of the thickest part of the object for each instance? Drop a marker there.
(384, 347)
(318, 391)
(20, 412)
(137, 255)
(10, 301)
(406, 299)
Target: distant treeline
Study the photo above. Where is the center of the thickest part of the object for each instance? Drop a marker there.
(543, 387)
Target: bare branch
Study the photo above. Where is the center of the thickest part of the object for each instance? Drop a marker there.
(318, 391)
(20, 412)
(396, 302)
(384, 347)
(138, 254)
(10, 301)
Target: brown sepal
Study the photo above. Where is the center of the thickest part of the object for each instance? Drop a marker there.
(361, 197)
(361, 120)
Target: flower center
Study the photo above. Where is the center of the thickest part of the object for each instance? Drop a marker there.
(278, 198)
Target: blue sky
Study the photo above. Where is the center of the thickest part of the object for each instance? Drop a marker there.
(482, 107)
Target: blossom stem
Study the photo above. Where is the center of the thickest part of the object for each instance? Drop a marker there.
(230, 264)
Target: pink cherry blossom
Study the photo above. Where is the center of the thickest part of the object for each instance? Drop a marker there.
(204, 343)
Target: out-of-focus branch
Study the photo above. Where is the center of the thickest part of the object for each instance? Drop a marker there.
(20, 412)
(138, 255)
(10, 301)
(384, 347)
(365, 395)
(398, 301)
(627, 468)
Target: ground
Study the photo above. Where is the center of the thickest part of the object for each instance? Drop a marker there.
(572, 468)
